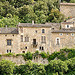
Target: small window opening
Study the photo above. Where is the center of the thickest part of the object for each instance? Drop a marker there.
(23, 51)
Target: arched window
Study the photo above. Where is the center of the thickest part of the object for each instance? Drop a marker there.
(10, 51)
(57, 41)
(43, 30)
(7, 51)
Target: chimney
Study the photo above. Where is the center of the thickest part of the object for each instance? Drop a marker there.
(32, 22)
(6, 26)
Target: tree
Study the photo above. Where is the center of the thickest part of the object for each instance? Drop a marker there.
(30, 69)
(55, 16)
(9, 21)
(6, 67)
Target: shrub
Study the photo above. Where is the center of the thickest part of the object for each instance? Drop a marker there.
(6, 67)
(44, 55)
(53, 55)
(30, 69)
(28, 56)
(56, 66)
(9, 54)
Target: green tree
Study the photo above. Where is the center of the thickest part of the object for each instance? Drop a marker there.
(55, 16)
(6, 67)
(9, 21)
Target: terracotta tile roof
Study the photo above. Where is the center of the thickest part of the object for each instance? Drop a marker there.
(73, 4)
(8, 31)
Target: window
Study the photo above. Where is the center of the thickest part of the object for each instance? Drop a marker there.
(26, 39)
(57, 41)
(43, 30)
(23, 51)
(41, 48)
(67, 26)
(61, 34)
(25, 47)
(43, 39)
(67, 34)
(9, 42)
(8, 51)
(21, 38)
(72, 34)
(21, 29)
(35, 31)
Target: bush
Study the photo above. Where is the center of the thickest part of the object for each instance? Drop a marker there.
(9, 54)
(44, 55)
(30, 69)
(6, 67)
(28, 56)
(53, 56)
(56, 66)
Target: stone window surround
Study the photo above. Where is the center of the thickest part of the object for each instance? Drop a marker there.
(9, 42)
(56, 41)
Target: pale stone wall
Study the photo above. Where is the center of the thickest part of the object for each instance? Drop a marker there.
(67, 40)
(31, 33)
(15, 43)
(18, 60)
(68, 9)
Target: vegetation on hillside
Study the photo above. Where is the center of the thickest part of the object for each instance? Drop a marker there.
(41, 11)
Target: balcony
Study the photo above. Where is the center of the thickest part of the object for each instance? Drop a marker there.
(34, 44)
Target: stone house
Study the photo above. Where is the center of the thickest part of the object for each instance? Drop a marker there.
(42, 37)
(48, 37)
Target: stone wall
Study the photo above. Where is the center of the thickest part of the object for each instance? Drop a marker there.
(18, 60)
(68, 9)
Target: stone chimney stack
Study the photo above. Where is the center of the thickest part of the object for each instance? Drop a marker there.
(32, 22)
(6, 26)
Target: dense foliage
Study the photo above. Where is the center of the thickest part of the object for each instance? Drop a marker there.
(63, 65)
(41, 11)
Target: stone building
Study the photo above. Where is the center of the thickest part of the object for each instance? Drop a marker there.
(68, 9)
(49, 37)
(42, 37)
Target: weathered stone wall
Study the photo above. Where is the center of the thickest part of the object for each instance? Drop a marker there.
(67, 40)
(32, 34)
(15, 44)
(18, 60)
(68, 9)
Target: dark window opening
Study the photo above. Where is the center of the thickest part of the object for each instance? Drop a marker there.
(5, 35)
(41, 48)
(9, 42)
(34, 41)
(57, 41)
(36, 31)
(25, 47)
(23, 51)
(10, 51)
(43, 30)
(21, 38)
(7, 51)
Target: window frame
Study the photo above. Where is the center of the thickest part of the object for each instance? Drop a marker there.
(9, 42)
(43, 30)
(43, 39)
(57, 41)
